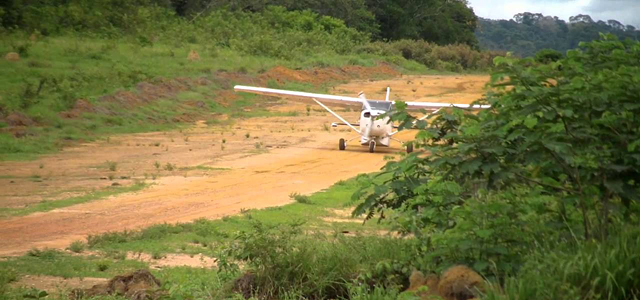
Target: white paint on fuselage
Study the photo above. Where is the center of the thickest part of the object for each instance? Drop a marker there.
(374, 128)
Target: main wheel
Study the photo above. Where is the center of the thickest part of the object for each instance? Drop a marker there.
(342, 144)
(409, 148)
(372, 146)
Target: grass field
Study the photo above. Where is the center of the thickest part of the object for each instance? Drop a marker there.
(322, 218)
(54, 72)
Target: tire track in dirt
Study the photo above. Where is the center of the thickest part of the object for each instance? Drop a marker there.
(306, 160)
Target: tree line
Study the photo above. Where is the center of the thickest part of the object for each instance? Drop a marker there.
(438, 21)
(527, 33)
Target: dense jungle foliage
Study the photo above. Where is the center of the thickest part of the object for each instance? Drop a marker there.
(551, 170)
(528, 33)
(450, 21)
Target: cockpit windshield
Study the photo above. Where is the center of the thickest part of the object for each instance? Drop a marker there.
(380, 105)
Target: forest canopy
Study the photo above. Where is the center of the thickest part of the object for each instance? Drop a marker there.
(527, 33)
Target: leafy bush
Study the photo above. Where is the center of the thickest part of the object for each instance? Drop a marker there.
(445, 58)
(562, 136)
(546, 56)
(285, 260)
(77, 246)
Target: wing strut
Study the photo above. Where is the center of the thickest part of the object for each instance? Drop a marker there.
(337, 116)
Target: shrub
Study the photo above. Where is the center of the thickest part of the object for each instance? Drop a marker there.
(557, 135)
(77, 247)
(546, 56)
(300, 198)
(285, 260)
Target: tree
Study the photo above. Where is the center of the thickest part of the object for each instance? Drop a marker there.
(558, 154)
(439, 21)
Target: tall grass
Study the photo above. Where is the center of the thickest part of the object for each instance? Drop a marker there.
(592, 270)
(284, 260)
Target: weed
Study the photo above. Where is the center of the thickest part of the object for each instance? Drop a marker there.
(247, 135)
(111, 177)
(112, 165)
(326, 127)
(300, 198)
(169, 167)
(157, 165)
(77, 247)
(158, 255)
(102, 266)
(258, 145)
(41, 166)
(224, 141)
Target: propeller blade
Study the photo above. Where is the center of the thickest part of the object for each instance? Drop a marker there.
(363, 98)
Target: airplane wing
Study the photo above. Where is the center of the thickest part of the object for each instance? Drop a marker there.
(294, 94)
(346, 100)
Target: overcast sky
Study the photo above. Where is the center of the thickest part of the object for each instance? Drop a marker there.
(625, 11)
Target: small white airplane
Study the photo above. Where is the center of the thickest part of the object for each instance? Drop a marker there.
(373, 131)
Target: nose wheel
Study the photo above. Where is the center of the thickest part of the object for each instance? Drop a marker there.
(409, 148)
(372, 146)
(342, 144)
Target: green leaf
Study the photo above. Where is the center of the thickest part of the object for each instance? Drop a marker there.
(530, 122)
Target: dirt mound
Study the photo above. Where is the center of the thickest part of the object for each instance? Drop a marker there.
(81, 106)
(18, 119)
(318, 76)
(460, 283)
(417, 280)
(139, 285)
(12, 56)
(193, 56)
(148, 92)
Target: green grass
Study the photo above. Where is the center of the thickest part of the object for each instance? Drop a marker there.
(56, 71)
(56, 263)
(51, 205)
(196, 237)
(199, 237)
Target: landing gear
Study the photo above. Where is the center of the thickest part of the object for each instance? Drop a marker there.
(372, 146)
(409, 148)
(342, 144)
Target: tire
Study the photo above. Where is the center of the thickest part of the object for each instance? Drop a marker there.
(372, 147)
(342, 145)
(409, 148)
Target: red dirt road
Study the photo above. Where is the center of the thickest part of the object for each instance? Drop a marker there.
(280, 155)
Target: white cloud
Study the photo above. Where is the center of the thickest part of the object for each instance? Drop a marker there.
(625, 11)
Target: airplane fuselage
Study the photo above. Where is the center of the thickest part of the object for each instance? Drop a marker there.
(374, 128)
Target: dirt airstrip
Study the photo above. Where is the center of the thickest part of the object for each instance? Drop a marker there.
(202, 172)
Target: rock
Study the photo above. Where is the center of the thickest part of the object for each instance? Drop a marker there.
(12, 56)
(139, 285)
(193, 56)
(460, 283)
